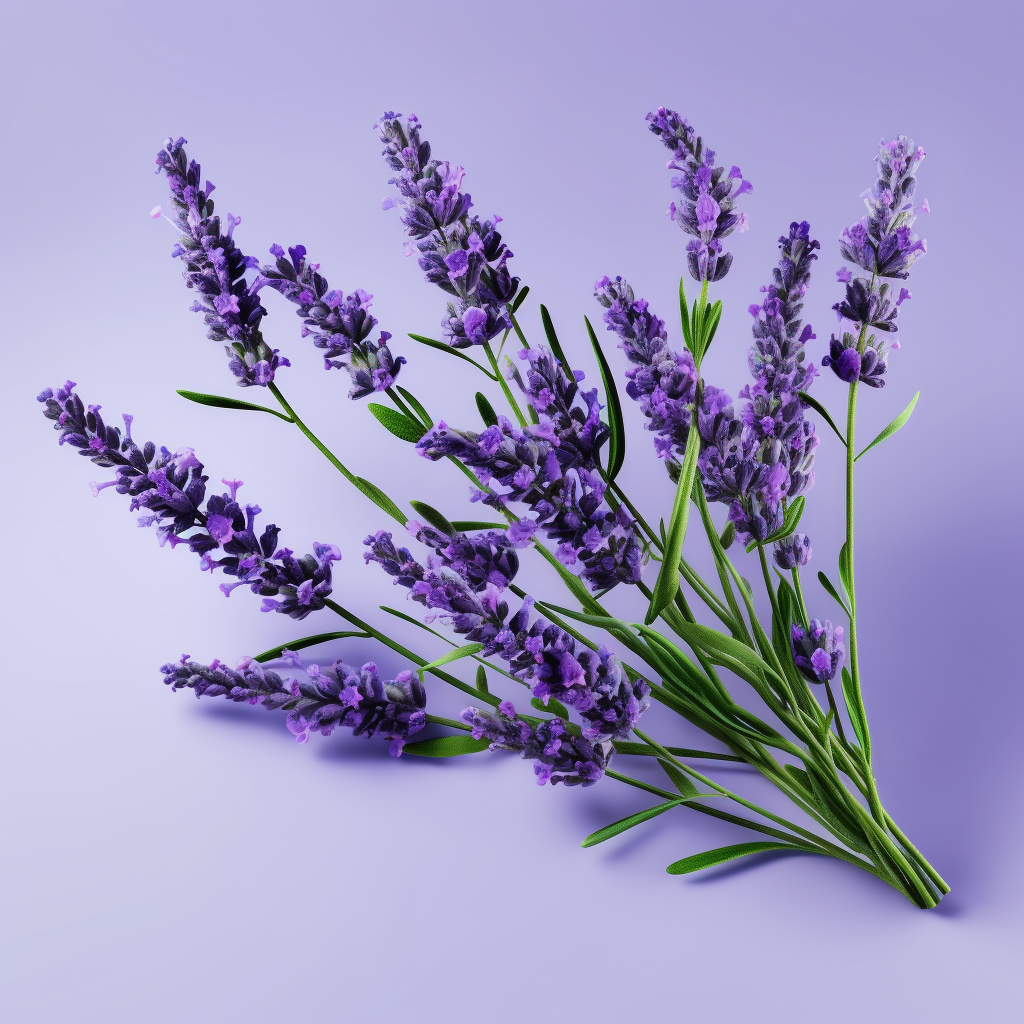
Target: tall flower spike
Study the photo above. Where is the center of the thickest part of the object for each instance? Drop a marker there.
(215, 270)
(172, 488)
(339, 324)
(462, 254)
(708, 206)
(883, 244)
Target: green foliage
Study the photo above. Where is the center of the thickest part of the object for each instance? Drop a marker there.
(230, 403)
(398, 423)
(712, 858)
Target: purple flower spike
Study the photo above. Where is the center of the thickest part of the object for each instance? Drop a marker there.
(462, 254)
(215, 270)
(793, 551)
(818, 651)
(709, 198)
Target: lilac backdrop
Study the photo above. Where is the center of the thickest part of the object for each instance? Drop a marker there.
(168, 860)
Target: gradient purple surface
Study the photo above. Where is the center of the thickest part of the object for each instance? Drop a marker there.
(172, 860)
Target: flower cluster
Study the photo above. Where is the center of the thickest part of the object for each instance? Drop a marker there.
(708, 207)
(215, 269)
(339, 324)
(818, 650)
(883, 244)
(552, 467)
(462, 254)
(338, 695)
(172, 488)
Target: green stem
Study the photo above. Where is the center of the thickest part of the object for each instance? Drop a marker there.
(513, 404)
(851, 420)
(800, 595)
(330, 456)
(449, 722)
(396, 398)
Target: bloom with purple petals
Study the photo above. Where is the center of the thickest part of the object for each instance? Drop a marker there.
(818, 651)
(793, 551)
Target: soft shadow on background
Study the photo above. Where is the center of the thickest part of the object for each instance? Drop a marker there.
(173, 860)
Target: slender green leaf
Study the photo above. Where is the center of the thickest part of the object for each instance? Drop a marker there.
(466, 651)
(616, 425)
(642, 749)
(553, 707)
(823, 413)
(679, 780)
(432, 516)
(712, 858)
(446, 746)
(827, 584)
(520, 298)
(684, 316)
(230, 403)
(397, 422)
(486, 410)
(433, 343)
(467, 525)
(889, 430)
(789, 524)
(717, 645)
(604, 621)
(556, 348)
(416, 622)
(846, 572)
(307, 641)
(853, 708)
(380, 499)
(728, 536)
(481, 679)
(417, 407)
(667, 585)
(626, 823)
(714, 318)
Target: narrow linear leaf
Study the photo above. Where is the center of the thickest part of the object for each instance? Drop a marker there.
(846, 572)
(553, 707)
(481, 679)
(604, 621)
(713, 320)
(711, 858)
(307, 641)
(667, 585)
(230, 403)
(381, 500)
(789, 524)
(728, 535)
(466, 651)
(853, 708)
(417, 623)
(446, 746)
(433, 343)
(889, 430)
(684, 315)
(626, 823)
(520, 298)
(486, 410)
(467, 525)
(823, 413)
(643, 750)
(549, 331)
(397, 422)
(616, 425)
(417, 406)
(827, 584)
(679, 780)
(433, 517)
(717, 644)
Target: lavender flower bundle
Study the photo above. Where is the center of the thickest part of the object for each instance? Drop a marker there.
(547, 469)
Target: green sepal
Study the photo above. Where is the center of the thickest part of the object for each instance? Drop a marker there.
(486, 410)
(397, 422)
(467, 525)
(827, 584)
(380, 499)
(728, 535)
(231, 403)
(626, 823)
(789, 524)
(446, 746)
(667, 585)
(433, 343)
(823, 413)
(556, 347)
(889, 430)
(417, 406)
(616, 424)
(553, 707)
(712, 858)
(432, 516)
(520, 298)
(307, 641)
(466, 651)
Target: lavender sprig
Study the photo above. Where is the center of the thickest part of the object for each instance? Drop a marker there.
(215, 269)
(462, 254)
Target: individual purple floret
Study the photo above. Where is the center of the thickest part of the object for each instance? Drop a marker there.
(818, 651)
(337, 695)
(793, 551)
(172, 488)
(883, 244)
(461, 254)
(339, 324)
(215, 269)
(558, 755)
(709, 199)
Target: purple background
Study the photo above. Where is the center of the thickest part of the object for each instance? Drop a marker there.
(168, 860)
